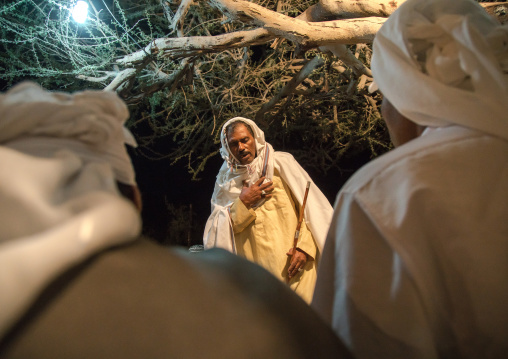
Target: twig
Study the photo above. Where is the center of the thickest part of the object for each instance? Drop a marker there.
(180, 14)
(291, 85)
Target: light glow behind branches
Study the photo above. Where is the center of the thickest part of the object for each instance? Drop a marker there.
(80, 12)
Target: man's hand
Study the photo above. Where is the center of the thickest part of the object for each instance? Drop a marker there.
(298, 261)
(253, 194)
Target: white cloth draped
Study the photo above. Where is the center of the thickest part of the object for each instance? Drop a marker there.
(444, 62)
(218, 229)
(40, 122)
(415, 264)
(56, 209)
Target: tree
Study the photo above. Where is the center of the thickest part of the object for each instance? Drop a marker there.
(300, 68)
(194, 67)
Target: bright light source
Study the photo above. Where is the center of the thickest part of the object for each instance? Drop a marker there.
(80, 12)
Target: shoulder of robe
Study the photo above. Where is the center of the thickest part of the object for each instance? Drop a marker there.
(284, 156)
(285, 159)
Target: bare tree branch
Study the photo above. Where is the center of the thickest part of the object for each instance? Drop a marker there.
(326, 10)
(291, 85)
(498, 10)
(121, 77)
(338, 9)
(180, 47)
(348, 58)
(109, 74)
(167, 11)
(347, 9)
(161, 81)
(322, 11)
(180, 13)
(307, 34)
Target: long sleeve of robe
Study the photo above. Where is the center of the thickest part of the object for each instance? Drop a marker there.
(264, 235)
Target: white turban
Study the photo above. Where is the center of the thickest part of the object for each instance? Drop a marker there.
(59, 203)
(232, 173)
(89, 123)
(444, 62)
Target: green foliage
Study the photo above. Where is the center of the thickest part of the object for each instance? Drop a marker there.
(325, 121)
(41, 42)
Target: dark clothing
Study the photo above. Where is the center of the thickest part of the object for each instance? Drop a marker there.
(144, 301)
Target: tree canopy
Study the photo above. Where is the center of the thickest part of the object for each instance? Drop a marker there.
(299, 68)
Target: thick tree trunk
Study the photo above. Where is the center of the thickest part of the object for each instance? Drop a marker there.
(306, 34)
(338, 9)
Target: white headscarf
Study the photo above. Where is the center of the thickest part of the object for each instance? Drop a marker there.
(232, 173)
(444, 62)
(59, 203)
(39, 122)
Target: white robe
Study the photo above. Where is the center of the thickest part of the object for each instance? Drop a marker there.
(318, 211)
(416, 261)
(219, 230)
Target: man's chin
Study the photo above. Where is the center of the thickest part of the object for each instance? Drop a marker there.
(246, 160)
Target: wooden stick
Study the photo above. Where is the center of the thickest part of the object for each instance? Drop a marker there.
(299, 225)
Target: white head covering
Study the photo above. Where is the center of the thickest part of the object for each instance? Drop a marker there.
(89, 123)
(59, 202)
(232, 173)
(444, 62)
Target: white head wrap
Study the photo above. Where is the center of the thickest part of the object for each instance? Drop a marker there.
(444, 62)
(59, 202)
(88, 123)
(232, 173)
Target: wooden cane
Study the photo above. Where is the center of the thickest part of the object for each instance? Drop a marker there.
(299, 225)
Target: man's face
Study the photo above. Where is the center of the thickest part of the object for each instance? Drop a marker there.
(242, 144)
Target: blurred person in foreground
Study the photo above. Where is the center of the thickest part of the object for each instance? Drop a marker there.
(256, 206)
(416, 260)
(76, 279)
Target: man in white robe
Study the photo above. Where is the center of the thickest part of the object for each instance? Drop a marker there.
(416, 260)
(78, 281)
(256, 205)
